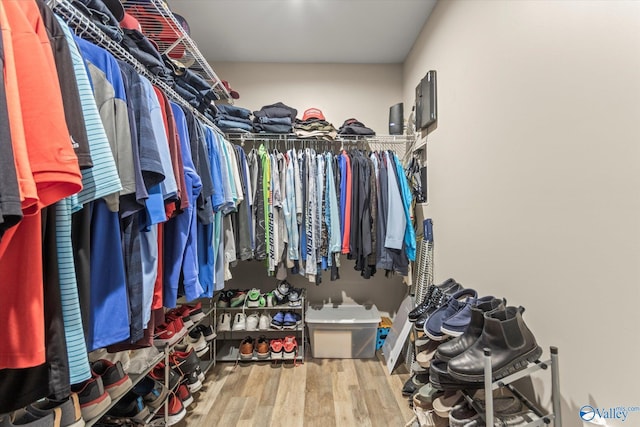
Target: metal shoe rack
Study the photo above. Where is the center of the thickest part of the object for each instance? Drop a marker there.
(229, 350)
(486, 410)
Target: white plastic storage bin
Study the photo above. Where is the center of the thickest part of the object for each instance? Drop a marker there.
(344, 331)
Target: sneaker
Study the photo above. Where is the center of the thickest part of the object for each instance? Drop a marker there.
(224, 322)
(169, 333)
(289, 321)
(174, 313)
(194, 340)
(70, 411)
(278, 320)
(295, 297)
(130, 406)
(194, 311)
(269, 299)
(207, 332)
(153, 392)
(158, 372)
(22, 417)
(184, 395)
(290, 347)
(264, 322)
(262, 347)
(239, 322)
(252, 322)
(176, 411)
(237, 299)
(184, 362)
(116, 382)
(94, 400)
(281, 293)
(457, 302)
(253, 298)
(276, 347)
(224, 299)
(246, 348)
(192, 381)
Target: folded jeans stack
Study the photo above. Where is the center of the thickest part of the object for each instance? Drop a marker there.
(274, 118)
(232, 118)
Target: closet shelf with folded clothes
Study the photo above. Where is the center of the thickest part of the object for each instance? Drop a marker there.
(170, 33)
(120, 43)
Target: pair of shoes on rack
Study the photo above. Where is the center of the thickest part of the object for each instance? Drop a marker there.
(286, 320)
(108, 382)
(197, 339)
(284, 348)
(259, 347)
(437, 295)
(502, 330)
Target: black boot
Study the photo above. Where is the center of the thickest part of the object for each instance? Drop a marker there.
(438, 289)
(456, 346)
(512, 346)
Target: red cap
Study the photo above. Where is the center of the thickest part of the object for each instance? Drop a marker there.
(313, 113)
(130, 23)
(233, 93)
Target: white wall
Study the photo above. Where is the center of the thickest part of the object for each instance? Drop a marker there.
(535, 177)
(341, 91)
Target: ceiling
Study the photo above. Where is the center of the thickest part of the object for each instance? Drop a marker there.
(326, 31)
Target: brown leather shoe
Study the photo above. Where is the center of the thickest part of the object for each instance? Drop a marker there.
(262, 347)
(246, 348)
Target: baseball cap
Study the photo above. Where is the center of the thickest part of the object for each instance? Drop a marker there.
(130, 23)
(313, 113)
(233, 93)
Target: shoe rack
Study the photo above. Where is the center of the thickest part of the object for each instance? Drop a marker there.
(208, 308)
(165, 351)
(135, 379)
(229, 346)
(486, 411)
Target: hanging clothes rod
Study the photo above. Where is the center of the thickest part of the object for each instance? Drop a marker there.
(84, 28)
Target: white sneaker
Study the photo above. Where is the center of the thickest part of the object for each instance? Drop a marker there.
(224, 322)
(239, 322)
(252, 322)
(265, 321)
(199, 344)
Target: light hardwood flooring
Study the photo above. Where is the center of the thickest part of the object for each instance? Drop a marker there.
(318, 393)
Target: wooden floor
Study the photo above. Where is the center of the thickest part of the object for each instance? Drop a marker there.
(320, 392)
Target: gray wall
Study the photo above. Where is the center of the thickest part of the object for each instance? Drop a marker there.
(534, 176)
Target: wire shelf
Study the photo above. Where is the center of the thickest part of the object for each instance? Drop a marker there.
(161, 26)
